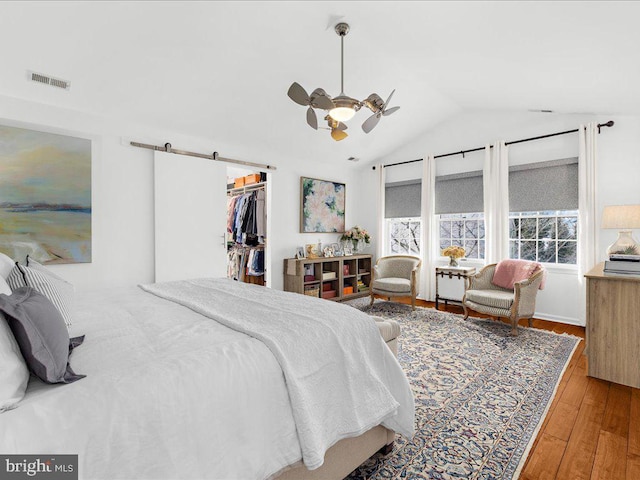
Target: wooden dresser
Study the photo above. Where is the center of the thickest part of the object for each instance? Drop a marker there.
(613, 326)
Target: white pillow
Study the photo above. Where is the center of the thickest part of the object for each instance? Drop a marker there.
(4, 287)
(14, 375)
(6, 265)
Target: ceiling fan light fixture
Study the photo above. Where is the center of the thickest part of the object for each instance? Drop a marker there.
(345, 108)
(341, 108)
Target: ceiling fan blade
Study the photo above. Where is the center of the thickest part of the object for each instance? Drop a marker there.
(388, 99)
(322, 101)
(338, 135)
(371, 122)
(298, 94)
(341, 126)
(390, 111)
(312, 120)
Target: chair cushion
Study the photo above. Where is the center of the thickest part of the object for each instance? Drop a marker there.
(491, 298)
(393, 284)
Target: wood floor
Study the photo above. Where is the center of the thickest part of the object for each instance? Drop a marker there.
(592, 429)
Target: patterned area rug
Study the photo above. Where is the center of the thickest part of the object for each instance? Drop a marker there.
(481, 395)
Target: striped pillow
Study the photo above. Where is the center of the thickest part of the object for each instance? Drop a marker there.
(41, 279)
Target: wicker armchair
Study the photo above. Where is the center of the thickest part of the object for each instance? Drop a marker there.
(481, 295)
(396, 276)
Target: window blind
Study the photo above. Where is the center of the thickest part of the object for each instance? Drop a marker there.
(459, 193)
(551, 185)
(402, 199)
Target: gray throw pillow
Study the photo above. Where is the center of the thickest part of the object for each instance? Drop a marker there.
(34, 275)
(41, 333)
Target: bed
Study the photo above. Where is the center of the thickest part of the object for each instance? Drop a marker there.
(190, 379)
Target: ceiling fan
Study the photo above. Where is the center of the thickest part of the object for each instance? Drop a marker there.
(341, 108)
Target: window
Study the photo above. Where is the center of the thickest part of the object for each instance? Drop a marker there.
(543, 217)
(548, 236)
(463, 230)
(404, 236)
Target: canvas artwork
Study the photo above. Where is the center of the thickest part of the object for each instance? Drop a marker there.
(323, 205)
(45, 196)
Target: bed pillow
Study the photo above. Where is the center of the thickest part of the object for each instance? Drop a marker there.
(4, 287)
(41, 334)
(14, 375)
(36, 276)
(6, 265)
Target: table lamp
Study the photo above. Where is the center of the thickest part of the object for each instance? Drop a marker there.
(625, 218)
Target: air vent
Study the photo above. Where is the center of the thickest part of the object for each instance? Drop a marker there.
(47, 80)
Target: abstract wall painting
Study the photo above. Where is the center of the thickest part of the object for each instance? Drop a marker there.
(45, 196)
(322, 206)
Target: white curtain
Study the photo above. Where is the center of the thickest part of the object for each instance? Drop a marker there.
(587, 221)
(496, 202)
(429, 232)
(380, 230)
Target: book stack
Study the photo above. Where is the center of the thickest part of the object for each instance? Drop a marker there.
(623, 264)
(362, 287)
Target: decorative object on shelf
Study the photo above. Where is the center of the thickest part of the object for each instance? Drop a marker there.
(300, 253)
(322, 206)
(358, 237)
(454, 253)
(625, 218)
(347, 249)
(341, 108)
(311, 250)
(328, 251)
(337, 250)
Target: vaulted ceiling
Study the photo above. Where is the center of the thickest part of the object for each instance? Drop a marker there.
(221, 70)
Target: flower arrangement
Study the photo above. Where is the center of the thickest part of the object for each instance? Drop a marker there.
(355, 234)
(454, 253)
(358, 237)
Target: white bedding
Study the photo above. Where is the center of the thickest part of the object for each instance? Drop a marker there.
(169, 393)
(341, 377)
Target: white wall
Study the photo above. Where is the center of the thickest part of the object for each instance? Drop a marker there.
(618, 172)
(122, 193)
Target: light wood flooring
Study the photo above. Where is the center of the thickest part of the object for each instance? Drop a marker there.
(592, 429)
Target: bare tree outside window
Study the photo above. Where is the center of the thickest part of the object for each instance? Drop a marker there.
(548, 237)
(404, 235)
(463, 230)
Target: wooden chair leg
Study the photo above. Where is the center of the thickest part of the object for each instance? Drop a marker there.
(388, 299)
(413, 303)
(372, 299)
(466, 311)
(530, 322)
(514, 326)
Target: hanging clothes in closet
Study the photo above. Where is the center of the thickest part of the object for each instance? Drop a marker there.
(246, 231)
(245, 218)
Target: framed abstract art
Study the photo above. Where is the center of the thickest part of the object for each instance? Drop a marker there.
(322, 206)
(45, 196)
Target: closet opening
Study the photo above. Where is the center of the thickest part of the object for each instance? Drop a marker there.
(246, 234)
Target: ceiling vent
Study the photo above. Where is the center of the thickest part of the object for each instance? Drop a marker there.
(47, 80)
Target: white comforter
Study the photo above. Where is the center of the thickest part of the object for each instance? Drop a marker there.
(342, 378)
(169, 393)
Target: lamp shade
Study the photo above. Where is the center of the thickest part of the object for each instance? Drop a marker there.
(621, 216)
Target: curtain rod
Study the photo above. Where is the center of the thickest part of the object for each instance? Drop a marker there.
(610, 123)
(214, 156)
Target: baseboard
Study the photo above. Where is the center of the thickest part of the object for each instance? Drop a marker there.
(559, 319)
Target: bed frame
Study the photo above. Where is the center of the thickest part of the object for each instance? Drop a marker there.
(345, 456)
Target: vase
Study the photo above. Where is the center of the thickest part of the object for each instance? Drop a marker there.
(359, 246)
(453, 262)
